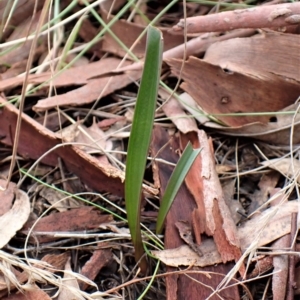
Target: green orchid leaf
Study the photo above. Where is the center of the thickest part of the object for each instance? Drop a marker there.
(140, 137)
(177, 177)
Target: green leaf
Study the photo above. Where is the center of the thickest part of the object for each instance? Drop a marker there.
(140, 137)
(177, 177)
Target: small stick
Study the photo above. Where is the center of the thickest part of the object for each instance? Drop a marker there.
(264, 16)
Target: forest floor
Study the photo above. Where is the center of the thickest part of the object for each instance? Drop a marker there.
(229, 86)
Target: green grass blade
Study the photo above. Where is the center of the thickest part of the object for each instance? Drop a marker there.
(177, 177)
(11, 12)
(70, 42)
(140, 136)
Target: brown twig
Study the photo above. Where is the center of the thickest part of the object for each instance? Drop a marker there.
(265, 16)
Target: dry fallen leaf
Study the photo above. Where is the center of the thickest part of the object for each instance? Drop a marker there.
(277, 131)
(269, 225)
(55, 197)
(75, 76)
(261, 195)
(86, 136)
(69, 287)
(89, 92)
(185, 256)
(7, 196)
(22, 10)
(262, 265)
(185, 232)
(95, 137)
(108, 177)
(21, 51)
(222, 91)
(34, 294)
(79, 62)
(223, 82)
(52, 120)
(255, 55)
(15, 218)
(235, 207)
(278, 225)
(175, 112)
(289, 167)
(57, 261)
(132, 32)
(76, 219)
